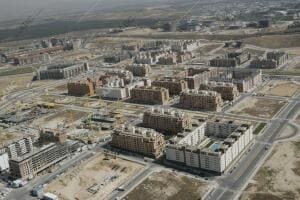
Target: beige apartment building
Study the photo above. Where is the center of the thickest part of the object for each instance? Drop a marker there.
(228, 91)
(167, 121)
(150, 95)
(139, 140)
(174, 86)
(201, 100)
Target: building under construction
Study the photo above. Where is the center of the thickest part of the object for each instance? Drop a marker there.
(167, 121)
(174, 86)
(139, 140)
(140, 70)
(228, 91)
(62, 71)
(201, 100)
(81, 88)
(53, 135)
(150, 95)
(196, 76)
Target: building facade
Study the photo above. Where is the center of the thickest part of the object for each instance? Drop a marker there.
(215, 149)
(150, 95)
(166, 120)
(175, 87)
(201, 100)
(139, 140)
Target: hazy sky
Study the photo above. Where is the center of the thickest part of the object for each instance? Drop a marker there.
(12, 9)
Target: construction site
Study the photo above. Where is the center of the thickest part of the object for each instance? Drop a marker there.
(94, 179)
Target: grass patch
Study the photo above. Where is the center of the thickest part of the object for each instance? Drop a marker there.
(259, 128)
(23, 70)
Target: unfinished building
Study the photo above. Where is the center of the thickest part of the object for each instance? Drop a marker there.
(29, 165)
(63, 71)
(141, 70)
(271, 61)
(201, 100)
(174, 86)
(27, 59)
(212, 145)
(53, 135)
(81, 88)
(150, 95)
(231, 59)
(139, 140)
(244, 79)
(196, 76)
(167, 121)
(228, 91)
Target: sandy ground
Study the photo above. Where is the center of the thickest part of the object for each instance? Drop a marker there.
(67, 117)
(166, 185)
(279, 177)
(266, 108)
(107, 175)
(10, 84)
(281, 88)
(6, 137)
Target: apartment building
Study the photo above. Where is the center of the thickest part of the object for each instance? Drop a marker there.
(174, 86)
(139, 140)
(29, 165)
(185, 45)
(150, 95)
(61, 71)
(81, 88)
(201, 100)
(27, 59)
(167, 121)
(244, 79)
(214, 148)
(116, 89)
(228, 91)
(271, 61)
(141, 70)
(19, 147)
(196, 76)
(231, 59)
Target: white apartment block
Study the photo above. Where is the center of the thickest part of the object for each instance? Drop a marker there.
(19, 147)
(213, 148)
(117, 89)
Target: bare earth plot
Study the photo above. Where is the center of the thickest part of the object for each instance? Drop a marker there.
(6, 137)
(281, 88)
(265, 108)
(279, 177)
(66, 117)
(93, 179)
(168, 186)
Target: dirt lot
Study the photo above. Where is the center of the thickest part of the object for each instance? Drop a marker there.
(100, 175)
(265, 108)
(281, 88)
(282, 41)
(10, 84)
(279, 177)
(67, 117)
(6, 137)
(168, 186)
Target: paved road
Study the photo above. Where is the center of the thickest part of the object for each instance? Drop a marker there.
(231, 184)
